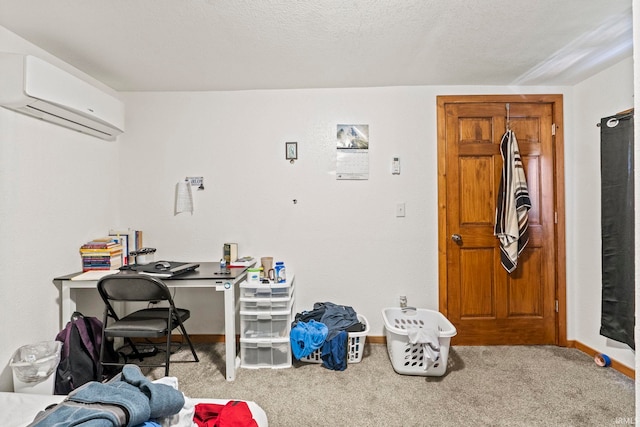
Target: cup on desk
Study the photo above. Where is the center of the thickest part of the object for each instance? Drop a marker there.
(267, 266)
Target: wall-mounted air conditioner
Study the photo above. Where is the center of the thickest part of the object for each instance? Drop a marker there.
(32, 86)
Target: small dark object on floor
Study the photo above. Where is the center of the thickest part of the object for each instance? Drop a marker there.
(142, 353)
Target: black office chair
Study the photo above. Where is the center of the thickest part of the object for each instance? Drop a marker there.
(152, 322)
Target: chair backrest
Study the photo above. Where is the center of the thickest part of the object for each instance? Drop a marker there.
(133, 287)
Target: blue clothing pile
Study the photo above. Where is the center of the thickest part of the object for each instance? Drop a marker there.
(335, 352)
(325, 328)
(307, 337)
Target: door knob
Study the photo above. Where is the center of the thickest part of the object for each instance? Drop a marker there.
(456, 238)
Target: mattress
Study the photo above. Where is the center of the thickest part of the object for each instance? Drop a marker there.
(19, 409)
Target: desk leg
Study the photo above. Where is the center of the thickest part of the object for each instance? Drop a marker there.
(67, 303)
(230, 330)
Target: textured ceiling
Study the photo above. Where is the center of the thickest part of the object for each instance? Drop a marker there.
(166, 45)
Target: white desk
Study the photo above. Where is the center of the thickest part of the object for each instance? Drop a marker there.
(206, 276)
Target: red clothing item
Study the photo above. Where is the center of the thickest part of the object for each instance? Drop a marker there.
(233, 414)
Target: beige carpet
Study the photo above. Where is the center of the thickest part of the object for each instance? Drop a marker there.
(483, 386)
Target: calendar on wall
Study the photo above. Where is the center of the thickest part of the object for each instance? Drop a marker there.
(352, 145)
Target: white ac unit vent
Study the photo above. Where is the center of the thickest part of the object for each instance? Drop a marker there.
(32, 86)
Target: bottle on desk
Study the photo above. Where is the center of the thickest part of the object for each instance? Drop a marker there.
(280, 272)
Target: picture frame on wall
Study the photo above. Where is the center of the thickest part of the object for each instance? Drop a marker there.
(291, 151)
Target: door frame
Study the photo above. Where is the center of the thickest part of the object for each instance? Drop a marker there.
(558, 167)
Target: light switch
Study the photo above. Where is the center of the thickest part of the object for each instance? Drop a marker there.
(400, 210)
(395, 166)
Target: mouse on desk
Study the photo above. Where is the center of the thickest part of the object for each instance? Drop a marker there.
(163, 265)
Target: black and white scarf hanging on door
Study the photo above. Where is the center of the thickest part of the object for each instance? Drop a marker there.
(512, 209)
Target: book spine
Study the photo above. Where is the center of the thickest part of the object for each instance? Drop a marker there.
(123, 239)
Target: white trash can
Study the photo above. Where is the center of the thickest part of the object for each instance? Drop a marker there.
(34, 367)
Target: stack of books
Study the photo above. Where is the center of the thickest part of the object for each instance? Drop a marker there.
(104, 253)
(130, 239)
(246, 261)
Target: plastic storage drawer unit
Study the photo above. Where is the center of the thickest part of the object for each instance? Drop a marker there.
(265, 353)
(271, 324)
(265, 304)
(271, 290)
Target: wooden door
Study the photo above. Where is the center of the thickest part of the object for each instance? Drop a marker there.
(487, 305)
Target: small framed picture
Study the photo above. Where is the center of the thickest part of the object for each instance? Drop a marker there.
(291, 150)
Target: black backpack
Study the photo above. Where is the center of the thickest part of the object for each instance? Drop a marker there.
(81, 340)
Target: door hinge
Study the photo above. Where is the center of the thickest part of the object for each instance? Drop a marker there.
(557, 306)
(553, 129)
(555, 217)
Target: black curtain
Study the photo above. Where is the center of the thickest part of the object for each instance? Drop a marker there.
(618, 257)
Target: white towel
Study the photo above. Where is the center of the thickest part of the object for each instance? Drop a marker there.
(512, 209)
(430, 340)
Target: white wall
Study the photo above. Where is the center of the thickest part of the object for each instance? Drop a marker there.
(602, 95)
(342, 237)
(58, 191)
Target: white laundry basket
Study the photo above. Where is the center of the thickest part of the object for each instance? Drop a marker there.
(407, 358)
(356, 345)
